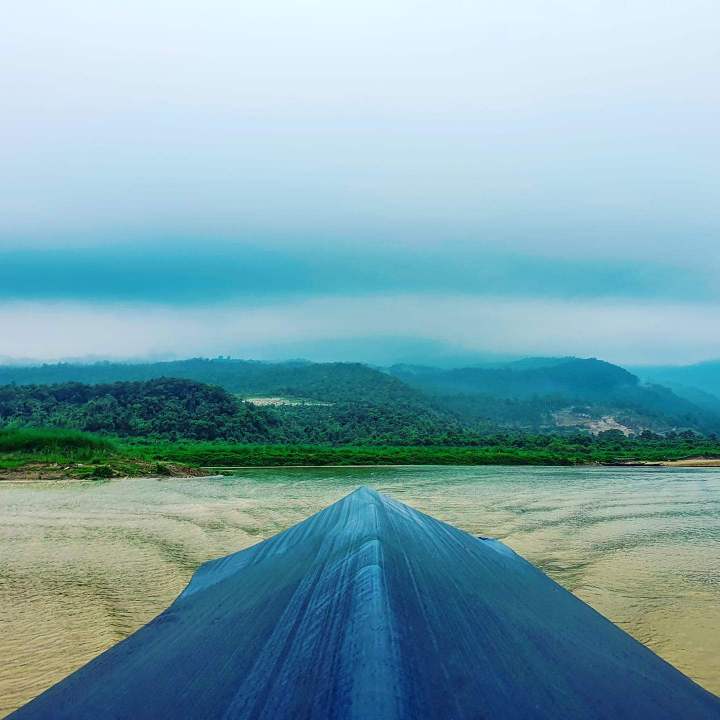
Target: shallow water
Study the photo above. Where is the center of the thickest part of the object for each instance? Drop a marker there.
(84, 564)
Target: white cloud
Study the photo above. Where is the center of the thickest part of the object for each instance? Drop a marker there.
(561, 128)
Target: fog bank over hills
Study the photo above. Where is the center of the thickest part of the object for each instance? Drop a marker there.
(699, 382)
(504, 179)
(385, 351)
(363, 327)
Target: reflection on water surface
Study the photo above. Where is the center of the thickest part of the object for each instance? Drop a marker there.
(83, 564)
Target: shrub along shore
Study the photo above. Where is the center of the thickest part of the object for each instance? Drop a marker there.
(26, 453)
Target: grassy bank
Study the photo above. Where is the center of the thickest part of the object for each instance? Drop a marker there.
(222, 455)
(56, 453)
(67, 453)
(555, 453)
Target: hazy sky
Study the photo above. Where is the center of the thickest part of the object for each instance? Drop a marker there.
(526, 177)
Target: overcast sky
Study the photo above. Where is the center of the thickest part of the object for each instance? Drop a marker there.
(183, 178)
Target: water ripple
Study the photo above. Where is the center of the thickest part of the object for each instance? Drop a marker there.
(82, 565)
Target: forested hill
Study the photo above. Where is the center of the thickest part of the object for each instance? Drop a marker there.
(172, 408)
(351, 402)
(547, 393)
(326, 382)
(316, 402)
(165, 408)
(570, 377)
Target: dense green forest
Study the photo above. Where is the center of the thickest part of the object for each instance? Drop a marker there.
(346, 403)
(166, 408)
(339, 414)
(169, 408)
(327, 382)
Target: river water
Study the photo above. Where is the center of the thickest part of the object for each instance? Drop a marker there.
(84, 564)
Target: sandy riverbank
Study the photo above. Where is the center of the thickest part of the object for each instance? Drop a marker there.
(697, 462)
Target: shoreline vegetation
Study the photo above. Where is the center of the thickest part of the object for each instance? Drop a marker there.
(323, 415)
(46, 454)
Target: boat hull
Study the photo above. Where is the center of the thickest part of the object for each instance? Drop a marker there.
(370, 609)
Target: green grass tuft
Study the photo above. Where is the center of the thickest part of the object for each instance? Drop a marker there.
(50, 441)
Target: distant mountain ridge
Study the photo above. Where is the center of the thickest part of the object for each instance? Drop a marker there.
(522, 379)
(542, 393)
(356, 403)
(331, 382)
(415, 403)
(704, 376)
